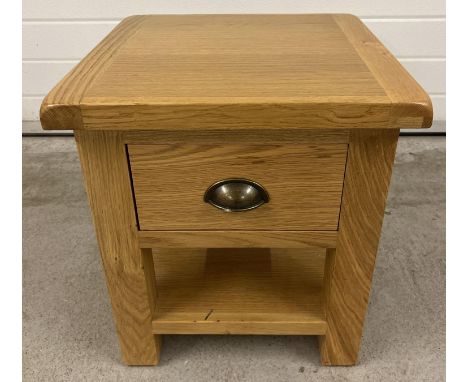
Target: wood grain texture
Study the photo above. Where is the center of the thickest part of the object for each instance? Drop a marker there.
(304, 183)
(288, 101)
(61, 108)
(248, 324)
(411, 105)
(105, 170)
(239, 291)
(350, 267)
(237, 239)
(245, 114)
(48, 40)
(148, 267)
(237, 72)
(240, 137)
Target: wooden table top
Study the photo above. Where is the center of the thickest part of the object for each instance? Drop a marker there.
(237, 72)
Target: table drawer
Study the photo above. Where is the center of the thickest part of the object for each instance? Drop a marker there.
(303, 182)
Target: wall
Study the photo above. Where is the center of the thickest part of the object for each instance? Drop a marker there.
(57, 34)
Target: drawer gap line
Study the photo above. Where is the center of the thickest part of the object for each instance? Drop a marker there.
(132, 187)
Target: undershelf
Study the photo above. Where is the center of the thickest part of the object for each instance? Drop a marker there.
(239, 291)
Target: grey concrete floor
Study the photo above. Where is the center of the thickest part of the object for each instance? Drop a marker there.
(68, 332)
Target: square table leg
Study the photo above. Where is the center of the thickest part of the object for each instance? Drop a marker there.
(349, 266)
(105, 168)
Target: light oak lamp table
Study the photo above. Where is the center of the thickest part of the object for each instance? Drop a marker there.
(237, 168)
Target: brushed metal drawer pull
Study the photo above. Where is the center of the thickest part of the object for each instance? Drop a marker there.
(236, 195)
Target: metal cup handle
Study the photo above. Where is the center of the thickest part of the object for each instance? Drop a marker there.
(236, 195)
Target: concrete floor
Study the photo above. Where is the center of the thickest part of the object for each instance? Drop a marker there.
(68, 333)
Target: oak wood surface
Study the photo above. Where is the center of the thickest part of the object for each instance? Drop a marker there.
(349, 267)
(248, 324)
(61, 108)
(411, 105)
(105, 170)
(237, 239)
(241, 137)
(237, 72)
(239, 291)
(304, 183)
(167, 105)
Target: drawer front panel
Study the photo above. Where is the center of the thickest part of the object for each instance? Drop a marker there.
(304, 183)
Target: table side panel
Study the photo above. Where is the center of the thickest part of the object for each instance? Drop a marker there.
(350, 266)
(105, 169)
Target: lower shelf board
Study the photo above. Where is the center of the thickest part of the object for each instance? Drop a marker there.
(239, 291)
(225, 323)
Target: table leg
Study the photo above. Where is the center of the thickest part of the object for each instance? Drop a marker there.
(349, 267)
(105, 168)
